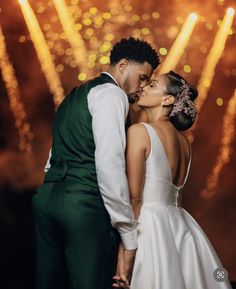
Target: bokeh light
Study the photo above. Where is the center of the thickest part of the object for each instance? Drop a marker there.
(82, 76)
(219, 101)
(163, 51)
(187, 68)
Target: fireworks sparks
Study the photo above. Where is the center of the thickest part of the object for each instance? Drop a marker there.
(16, 106)
(89, 31)
(225, 150)
(44, 56)
(73, 36)
(179, 45)
(213, 57)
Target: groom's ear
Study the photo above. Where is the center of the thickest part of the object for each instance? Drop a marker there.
(122, 64)
(167, 100)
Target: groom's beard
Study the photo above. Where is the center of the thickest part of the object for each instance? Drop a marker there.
(132, 96)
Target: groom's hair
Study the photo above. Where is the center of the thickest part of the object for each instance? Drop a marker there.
(135, 50)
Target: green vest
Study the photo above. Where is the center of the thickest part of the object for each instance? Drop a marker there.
(73, 148)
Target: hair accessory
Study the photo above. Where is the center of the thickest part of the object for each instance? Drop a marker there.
(183, 102)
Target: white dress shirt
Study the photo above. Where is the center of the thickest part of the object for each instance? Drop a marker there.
(108, 105)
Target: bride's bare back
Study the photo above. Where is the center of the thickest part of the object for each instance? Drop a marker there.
(176, 147)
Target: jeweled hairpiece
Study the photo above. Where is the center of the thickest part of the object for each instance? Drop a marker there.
(183, 102)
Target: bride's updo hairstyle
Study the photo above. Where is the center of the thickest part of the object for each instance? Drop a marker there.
(183, 111)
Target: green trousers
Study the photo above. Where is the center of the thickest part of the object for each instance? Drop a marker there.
(76, 246)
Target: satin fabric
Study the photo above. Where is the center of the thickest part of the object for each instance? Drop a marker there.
(173, 251)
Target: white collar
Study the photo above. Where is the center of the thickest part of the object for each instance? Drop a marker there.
(105, 72)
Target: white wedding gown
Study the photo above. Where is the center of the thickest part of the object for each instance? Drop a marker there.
(173, 251)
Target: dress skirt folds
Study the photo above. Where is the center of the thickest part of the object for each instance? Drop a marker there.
(173, 251)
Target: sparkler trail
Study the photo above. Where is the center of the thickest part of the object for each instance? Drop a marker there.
(225, 150)
(214, 57)
(43, 53)
(179, 45)
(73, 36)
(16, 106)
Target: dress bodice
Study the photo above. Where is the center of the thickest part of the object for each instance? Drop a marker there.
(158, 186)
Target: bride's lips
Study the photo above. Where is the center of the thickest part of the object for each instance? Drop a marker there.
(134, 97)
(141, 94)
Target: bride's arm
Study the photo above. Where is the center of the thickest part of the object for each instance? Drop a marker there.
(137, 146)
(135, 169)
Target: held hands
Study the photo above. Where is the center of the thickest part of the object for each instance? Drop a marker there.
(124, 268)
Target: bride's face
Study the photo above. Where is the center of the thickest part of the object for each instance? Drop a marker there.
(152, 94)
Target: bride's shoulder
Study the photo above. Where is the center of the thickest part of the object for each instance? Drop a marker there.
(137, 128)
(138, 132)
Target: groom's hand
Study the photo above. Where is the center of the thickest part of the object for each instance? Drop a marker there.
(120, 278)
(123, 276)
(129, 257)
(124, 268)
(121, 282)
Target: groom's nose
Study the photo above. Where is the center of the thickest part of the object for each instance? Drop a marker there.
(146, 85)
(143, 83)
(147, 82)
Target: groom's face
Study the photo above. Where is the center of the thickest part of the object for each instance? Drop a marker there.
(135, 77)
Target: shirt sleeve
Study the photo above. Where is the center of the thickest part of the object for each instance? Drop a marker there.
(109, 108)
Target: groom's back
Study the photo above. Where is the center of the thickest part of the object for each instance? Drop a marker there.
(73, 145)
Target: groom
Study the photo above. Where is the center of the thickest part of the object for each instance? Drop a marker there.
(82, 209)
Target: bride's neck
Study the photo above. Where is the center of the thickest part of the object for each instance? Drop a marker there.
(157, 114)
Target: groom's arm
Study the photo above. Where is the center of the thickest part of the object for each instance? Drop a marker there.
(109, 106)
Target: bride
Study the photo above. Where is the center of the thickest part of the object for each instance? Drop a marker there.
(173, 251)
